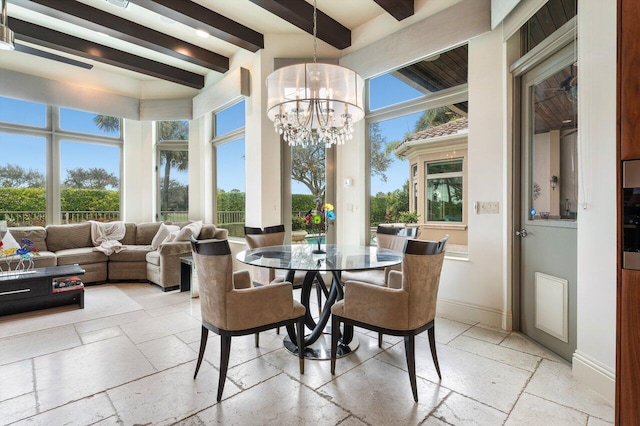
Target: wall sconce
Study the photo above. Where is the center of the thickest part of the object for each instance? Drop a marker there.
(554, 182)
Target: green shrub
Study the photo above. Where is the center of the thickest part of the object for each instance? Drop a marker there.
(297, 223)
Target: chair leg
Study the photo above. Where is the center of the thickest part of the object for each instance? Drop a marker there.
(410, 352)
(335, 334)
(434, 354)
(278, 330)
(300, 342)
(203, 344)
(225, 349)
(257, 340)
(379, 340)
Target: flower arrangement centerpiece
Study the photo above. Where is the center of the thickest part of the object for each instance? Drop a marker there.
(318, 219)
(26, 252)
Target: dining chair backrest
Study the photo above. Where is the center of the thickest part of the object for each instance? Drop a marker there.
(394, 238)
(421, 267)
(269, 236)
(214, 267)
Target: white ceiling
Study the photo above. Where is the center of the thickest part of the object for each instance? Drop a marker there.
(365, 18)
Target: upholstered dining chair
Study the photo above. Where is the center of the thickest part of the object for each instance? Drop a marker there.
(274, 236)
(389, 237)
(405, 307)
(231, 306)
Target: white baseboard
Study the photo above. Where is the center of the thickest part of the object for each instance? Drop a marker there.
(595, 375)
(468, 312)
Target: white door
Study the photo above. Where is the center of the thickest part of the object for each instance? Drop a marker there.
(549, 193)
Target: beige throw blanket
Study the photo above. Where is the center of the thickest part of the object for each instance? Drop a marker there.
(105, 236)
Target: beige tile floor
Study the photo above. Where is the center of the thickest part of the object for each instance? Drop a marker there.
(136, 367)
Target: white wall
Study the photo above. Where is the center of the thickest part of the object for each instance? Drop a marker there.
(594, 361)
(138, 166)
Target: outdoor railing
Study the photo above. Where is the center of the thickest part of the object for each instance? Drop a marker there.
(230, 217)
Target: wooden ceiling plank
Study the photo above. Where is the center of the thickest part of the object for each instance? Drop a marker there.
(300, 14)
(56, 40)
(97, 20)
(399, 9)
(199, 17)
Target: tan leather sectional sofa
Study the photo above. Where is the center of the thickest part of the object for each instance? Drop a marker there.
(71, 244)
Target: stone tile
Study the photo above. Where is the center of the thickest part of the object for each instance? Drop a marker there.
(460, 410)
(163, 310)
(593, 421)
(486, 333)
(109, 421)
(496, 353)
(168, 396)
(38, 343)
(318, 373)
(482, 379)
(447, 330)
(154, 328)
(242, 348)
(379, 393)
(278, 401)
(190, 336)
(87, 370)
(533, 411)
(191, 308)
(433, 421)
(18, 408)
(519, 342)
(251, 373)
(110, 321)
(83, 412)
(139, 289)
(167, 352)
(554, 381)
(352, 421)
(103, 334)
(16, 379)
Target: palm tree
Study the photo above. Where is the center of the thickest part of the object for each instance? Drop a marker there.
(107, 123)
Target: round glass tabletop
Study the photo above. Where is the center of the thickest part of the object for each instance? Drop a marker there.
(300, 257)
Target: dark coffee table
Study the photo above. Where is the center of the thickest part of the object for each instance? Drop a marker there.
(34, 289)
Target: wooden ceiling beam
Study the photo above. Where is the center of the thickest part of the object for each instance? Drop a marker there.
(199, 17)
(56, 40)
(300, 14)
(97, 20)
(399, 9)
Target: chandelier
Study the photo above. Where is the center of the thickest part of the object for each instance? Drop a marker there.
(314, 103)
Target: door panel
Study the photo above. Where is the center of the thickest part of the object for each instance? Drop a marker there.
(549, 197)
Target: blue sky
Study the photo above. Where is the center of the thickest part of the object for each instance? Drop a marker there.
(385, 90)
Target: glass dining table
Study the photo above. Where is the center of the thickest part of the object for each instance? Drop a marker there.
(333, 260)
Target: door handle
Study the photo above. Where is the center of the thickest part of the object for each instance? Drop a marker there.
(521, 233)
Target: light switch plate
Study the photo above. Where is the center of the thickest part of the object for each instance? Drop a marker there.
(488, 207)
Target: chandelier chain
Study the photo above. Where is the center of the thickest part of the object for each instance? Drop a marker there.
(315, 31)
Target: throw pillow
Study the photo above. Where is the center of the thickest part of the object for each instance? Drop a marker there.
(192, 228)
(162, 233)
(8, 241)
(171, 237)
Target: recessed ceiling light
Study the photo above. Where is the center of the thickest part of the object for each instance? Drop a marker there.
(202, 33)
(566, 121)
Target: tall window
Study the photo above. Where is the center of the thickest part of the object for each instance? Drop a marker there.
(173, 170)
(402, 104)
(230, 177)
(444, 191)
(89, 148)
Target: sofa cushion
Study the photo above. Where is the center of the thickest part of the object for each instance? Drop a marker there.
(37, 234)
(61, 237)
(131, 254)
(80, 256)
(162, 233)
(145, 232)
(44, 259)
(153, 257)
(187, 231)
(129, 234)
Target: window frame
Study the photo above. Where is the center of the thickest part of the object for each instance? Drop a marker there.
(54, 135)
(459, 174)
(167, 145)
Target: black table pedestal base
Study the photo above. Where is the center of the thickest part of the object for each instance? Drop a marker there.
(320, 350)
